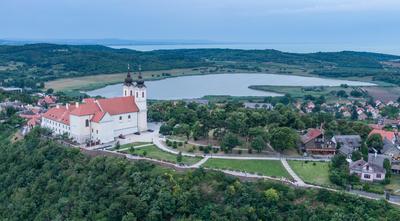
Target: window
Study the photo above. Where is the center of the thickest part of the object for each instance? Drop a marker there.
(97, 131)
(143, 94)
(137, 94)
(129, 116)
(120, 117)
(131, 93)
(367, 176)
(378, 175)
(125, 93)
(87, 123)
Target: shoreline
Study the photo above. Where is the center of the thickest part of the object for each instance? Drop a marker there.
(93, 85)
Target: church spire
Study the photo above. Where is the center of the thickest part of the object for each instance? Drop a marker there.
(128, 79)
(140, 81)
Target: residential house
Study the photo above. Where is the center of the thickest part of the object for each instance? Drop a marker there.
(313, 142)
(390, 136)
(347, 144)
(369, 171)
(251, 105)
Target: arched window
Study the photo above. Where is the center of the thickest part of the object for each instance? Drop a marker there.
(87, 123)
(143, 94)
(125, 93)
(131, 93)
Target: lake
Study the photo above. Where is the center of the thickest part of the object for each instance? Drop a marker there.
(187, 87)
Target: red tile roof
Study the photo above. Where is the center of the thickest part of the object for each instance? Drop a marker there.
(97, 108)
(86, 109)
(310, 135)
(118, 105)
(390, 135)
(60, 114)
(98, 116)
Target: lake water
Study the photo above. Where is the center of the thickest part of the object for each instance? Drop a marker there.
(237, 84)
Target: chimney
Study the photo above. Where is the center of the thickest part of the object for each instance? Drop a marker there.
(76, 104)
(375, 154)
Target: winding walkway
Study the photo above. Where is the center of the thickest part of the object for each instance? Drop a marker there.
(297, 179)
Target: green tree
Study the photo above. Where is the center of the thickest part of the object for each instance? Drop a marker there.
(229, 141)
(179, 157)
(375, 141)
(272, 195)
(356, 155)
(258, 144)
(283, 138)
(388, 168)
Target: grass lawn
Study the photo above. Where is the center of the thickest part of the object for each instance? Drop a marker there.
(272, 168)
(153, 152)
(310, 173)
(394, 185)
(134, 144)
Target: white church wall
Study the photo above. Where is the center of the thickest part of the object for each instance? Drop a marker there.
(125, 124)
(80, 130)
(103, 131)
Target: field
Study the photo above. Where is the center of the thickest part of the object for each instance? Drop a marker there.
(273, 168)
(384, 93)
(310, 173)
(300, 92)
(97, 81)
(153, 152)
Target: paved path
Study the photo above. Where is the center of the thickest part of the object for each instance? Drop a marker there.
(159, 143)
(297, 179)
(201, 162)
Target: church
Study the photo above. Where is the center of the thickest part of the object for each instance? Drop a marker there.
(102, 120)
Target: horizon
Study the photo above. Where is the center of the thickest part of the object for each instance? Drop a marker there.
(364, 24)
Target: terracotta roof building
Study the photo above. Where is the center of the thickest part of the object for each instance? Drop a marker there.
(101, 120)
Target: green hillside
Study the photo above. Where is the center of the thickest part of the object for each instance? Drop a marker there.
(29, 65)
(40, 180)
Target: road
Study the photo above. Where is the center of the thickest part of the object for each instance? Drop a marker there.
(298, 182)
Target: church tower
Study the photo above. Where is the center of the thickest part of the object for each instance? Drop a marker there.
(140, 93)
(128, 87)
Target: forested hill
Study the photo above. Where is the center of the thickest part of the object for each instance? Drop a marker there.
(40, 180)
(29, 64)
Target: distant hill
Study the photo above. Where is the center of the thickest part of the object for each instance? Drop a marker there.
(27, 65)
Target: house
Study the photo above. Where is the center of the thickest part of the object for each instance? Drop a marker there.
(391, 136)
(362, 116)
(48, 100)
(369, 171)
(347, 144)
(390, 149)
(102, 120)
(11, 89)
(251, 105)
(313, 142)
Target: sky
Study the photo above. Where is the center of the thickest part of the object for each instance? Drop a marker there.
(277, 21)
